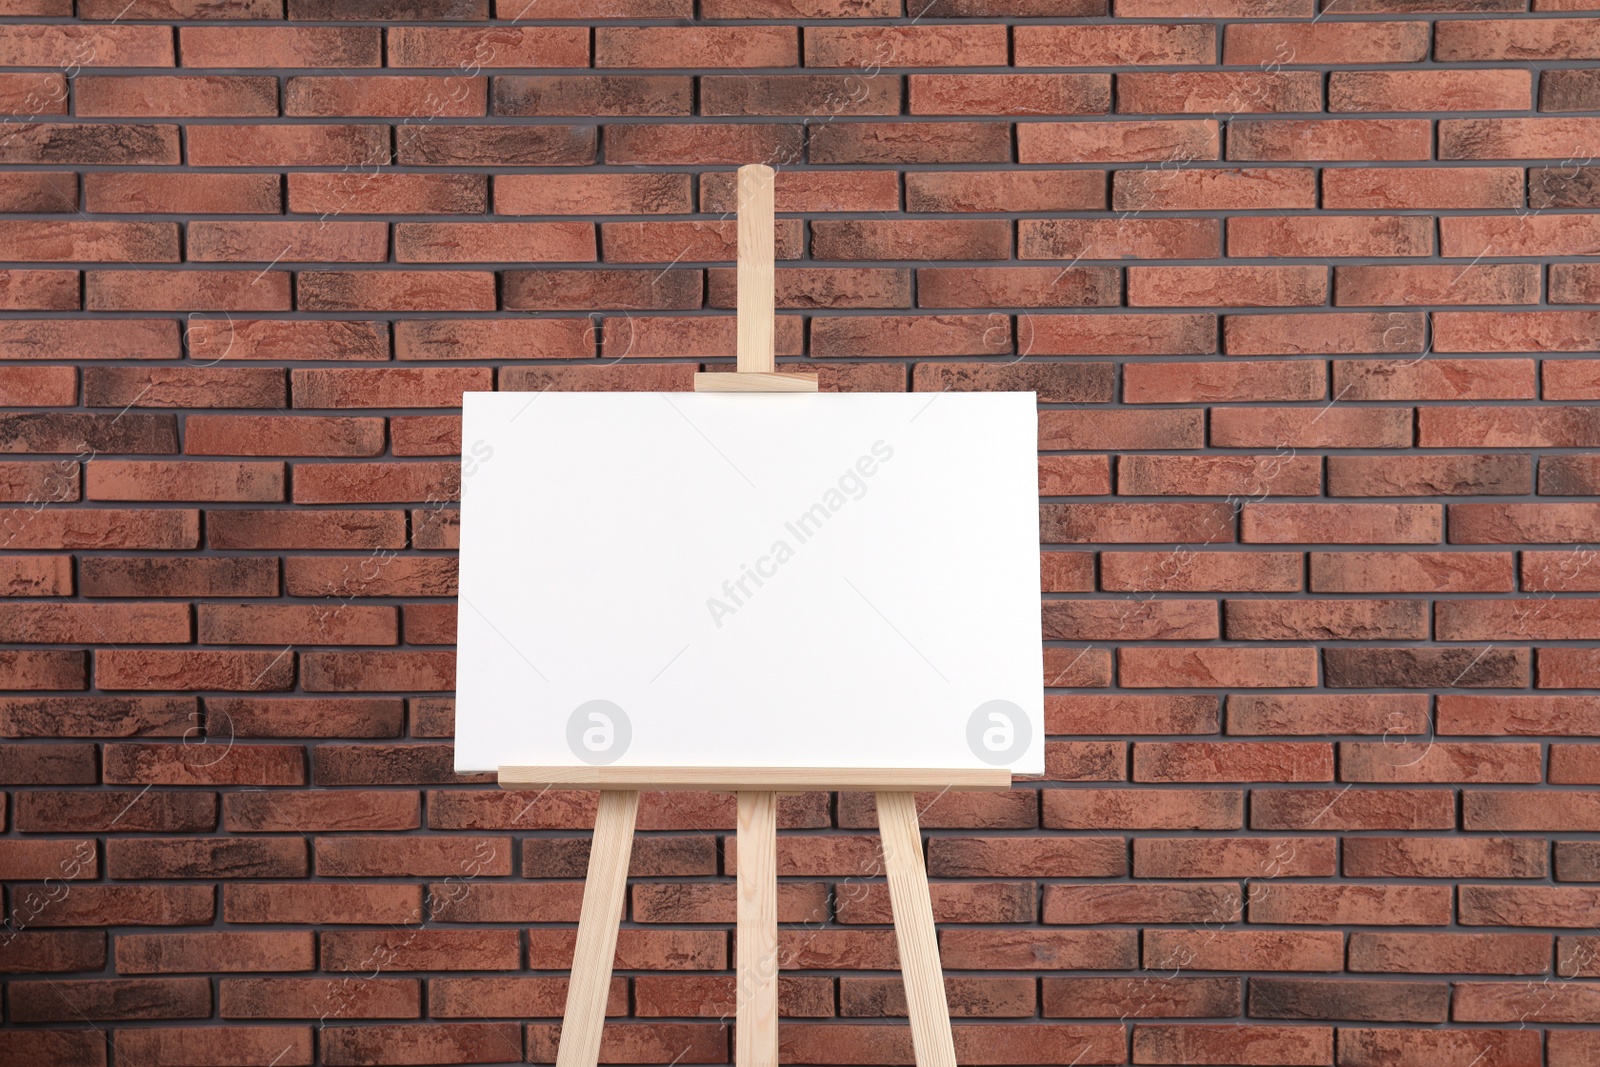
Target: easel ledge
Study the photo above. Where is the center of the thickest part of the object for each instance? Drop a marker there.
(756, 955)
(744, 779)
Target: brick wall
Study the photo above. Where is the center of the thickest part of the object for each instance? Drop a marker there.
(1306, 300)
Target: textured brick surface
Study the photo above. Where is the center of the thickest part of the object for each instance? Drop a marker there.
(1305, 288)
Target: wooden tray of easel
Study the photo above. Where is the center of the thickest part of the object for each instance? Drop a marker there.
(756, 941)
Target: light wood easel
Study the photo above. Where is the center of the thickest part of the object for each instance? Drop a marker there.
(756, 953)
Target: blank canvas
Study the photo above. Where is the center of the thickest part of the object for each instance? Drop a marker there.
(749, 580)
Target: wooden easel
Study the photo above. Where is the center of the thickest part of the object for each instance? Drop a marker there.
(756, 962)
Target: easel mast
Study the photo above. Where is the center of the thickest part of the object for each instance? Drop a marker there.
(756, 940)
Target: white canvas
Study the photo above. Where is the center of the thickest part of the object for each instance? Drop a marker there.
(750, 580)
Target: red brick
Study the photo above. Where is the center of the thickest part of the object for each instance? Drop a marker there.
(67, 46)
(36, 575)
(1172, 334)
(27, 387)
(274, 47)
(1330, 139)
(277, 146)
(535, 997)
(1217, 667)
(1145, 383)
(1562, 906)
(1218, 475)
(1136, 523)
(1348, 809)
(1460, 40)
(820, 287)
(910, 142)
(1243, 1044)
(55, 860)
(181, 480)
(1311, 235)
(1566, 668)
(905, 335)
(1571, 1048)
(693, 242)
(1388, 188)
(408, 96)
(693, 1042)
(1256, 950)
(1366, 905)
(967, 997)
(385, 671)
(46, 952)
(1255, 858)
(1573, 283)
(196, 1046)
(1113, 45)
(218, 761)
(1120, 142)
(1431, 90)
(1039, 949)
(1370, 1047)
(1342, 523)
(200, 858)
(44, 669)
(1410, 572)
(870, 48)
(110, 998)
(1443, 857)
(1009, 94)
(387, 387)
(1530, 523)
(1514, 138)
(1139, 809)
(41, 191)
(824, 95)
(366, 192)
(1530, 331)
(472, 47)
(917, 239)
(1271, 44)
(1200, 571)
(39, 290)
(806, 191)
(1348, 332)
(1157, 189)
(319, 998)
(322, 903)
(720, 46)
(428, 339)
(1142, 902)
(168, 96)
(111, 623)
(95, 242)
(261, 435)
(1218, 92)
(437, 144)
(1169, 620)
(39, 483)
(1421, 668)
(957, 191)
(482, 1042)
(702, 144)
(962, 287)
(1428, 475)
(1121, 238)
(124, 905)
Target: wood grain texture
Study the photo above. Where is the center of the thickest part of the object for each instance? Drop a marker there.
(756, 300)
(596, 947)
(754, 382)
(755, 1036)
(914, 931)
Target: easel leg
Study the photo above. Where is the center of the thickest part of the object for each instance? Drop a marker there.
(755, 1034)
(914, 931)
(598, 921)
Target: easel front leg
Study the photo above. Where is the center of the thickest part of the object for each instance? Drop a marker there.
(755, 1034)
(598, 920)
(914, 931)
